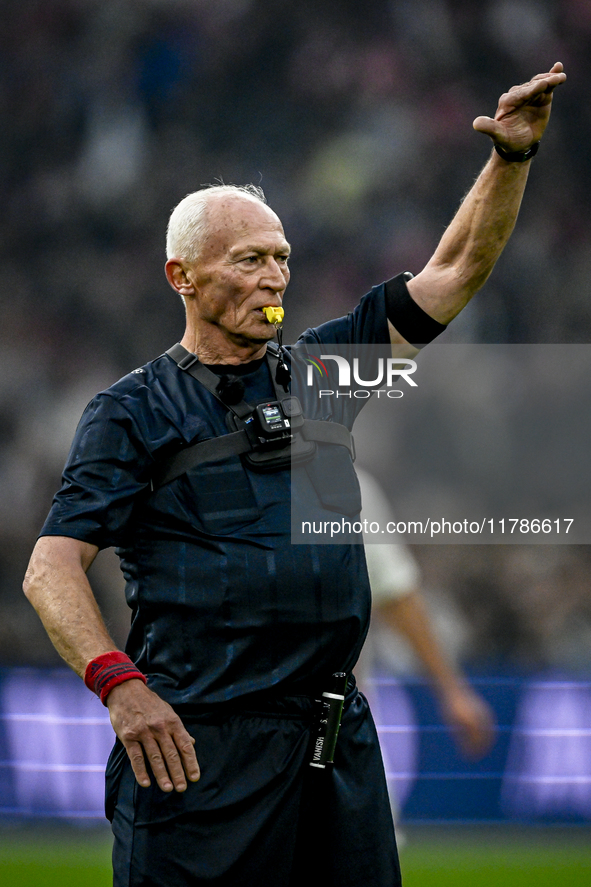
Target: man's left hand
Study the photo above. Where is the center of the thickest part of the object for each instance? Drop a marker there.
(523, 112)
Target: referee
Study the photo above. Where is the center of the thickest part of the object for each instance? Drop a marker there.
(235, 631)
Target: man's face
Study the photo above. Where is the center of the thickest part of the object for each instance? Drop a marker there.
(242, 269)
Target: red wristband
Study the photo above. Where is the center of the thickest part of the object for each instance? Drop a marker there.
(106, 671)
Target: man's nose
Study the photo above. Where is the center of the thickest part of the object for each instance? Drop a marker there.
(275, 275)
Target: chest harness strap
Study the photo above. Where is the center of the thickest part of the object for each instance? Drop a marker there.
(296, 441)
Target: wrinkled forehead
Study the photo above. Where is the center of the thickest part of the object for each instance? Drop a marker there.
(234, 218)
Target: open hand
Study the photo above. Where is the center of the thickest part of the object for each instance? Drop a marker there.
(153, 733)
(523, 112)
(471, 720)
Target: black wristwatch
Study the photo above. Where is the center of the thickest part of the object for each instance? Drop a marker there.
(517, 156)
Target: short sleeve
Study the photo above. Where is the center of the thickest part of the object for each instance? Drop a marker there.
(367, 324)
(108, 465)
(362, 339)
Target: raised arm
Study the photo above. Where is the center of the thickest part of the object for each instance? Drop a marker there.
(483, 224)
(57, 586)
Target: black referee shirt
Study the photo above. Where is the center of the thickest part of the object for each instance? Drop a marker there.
(222, 603)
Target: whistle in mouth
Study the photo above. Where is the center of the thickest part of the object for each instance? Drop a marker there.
(273, 315)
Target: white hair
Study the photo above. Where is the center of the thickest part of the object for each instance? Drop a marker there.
(187, 226)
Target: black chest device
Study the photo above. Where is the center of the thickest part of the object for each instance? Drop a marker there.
(269, 435)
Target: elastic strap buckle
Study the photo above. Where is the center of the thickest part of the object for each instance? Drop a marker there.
(187, 361)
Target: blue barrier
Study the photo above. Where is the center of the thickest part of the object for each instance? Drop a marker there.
(539, 769)
(55, 737)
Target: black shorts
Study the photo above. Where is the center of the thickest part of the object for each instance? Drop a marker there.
(260, 816)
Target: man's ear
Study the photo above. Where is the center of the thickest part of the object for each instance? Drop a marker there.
(176, 274)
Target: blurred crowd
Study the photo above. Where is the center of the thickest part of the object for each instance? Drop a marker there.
(356, 120)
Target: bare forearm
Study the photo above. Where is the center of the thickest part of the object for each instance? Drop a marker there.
(467, 713)
(473, 242)
(57, 587)
(409, 617)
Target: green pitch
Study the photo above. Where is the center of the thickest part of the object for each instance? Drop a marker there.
(431, 857)
(489, 857)
(57, 858)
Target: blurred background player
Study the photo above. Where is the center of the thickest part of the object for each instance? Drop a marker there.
(399, 607)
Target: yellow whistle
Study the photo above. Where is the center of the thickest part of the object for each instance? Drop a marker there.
(273, 315)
